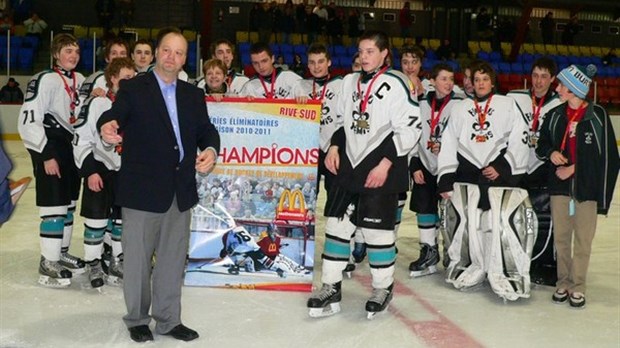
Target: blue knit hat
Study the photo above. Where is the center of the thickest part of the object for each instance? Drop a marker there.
(578, 79)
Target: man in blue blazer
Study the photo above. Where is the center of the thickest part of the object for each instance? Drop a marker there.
(158, 122)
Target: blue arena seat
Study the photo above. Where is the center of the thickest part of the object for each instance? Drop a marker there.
(26, 58)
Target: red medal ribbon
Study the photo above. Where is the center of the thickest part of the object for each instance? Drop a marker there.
(269, 94)
(110, 95)
(366, 95)
(536, 112)
(435, 119)
(482, 116)
(72, 93)
(314, 95)
(572, 115)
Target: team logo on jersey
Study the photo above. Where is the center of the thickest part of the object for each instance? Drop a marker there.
(589, 136)
(360, 123)
(481, 131)
(435, 136)
(326, 118)
(31, 89)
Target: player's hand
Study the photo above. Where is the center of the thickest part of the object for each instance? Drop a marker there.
(446, 195)
(558, 159)
(378, 175)
(418, 177)
(217, 97)
(436, 147)
(109, 133)
(301, 99)
(490, 173)
(51, 167)
(565, 172)
(205, 161)
(95, 183)
(98, 92)
(332, 160)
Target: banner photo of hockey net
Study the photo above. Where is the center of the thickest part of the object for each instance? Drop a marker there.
(254, 225)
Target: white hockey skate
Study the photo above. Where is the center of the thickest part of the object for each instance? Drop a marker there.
(379, 301)
(427, 262)
(53, 275)
(325, 302)
(72, 263)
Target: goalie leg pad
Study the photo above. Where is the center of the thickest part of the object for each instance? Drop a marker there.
(514, 233)
(466, 267)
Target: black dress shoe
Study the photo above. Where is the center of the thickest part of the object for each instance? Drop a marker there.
(183, 333)
(140, 333)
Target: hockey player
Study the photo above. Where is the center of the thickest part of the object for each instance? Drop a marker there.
(46, 127)
(270, 244)
(95, 84)
(482, 146)
(578, 139)
(240, 247)
(98, 164)
(368, 155)
(534, 104)
(435, 111)
(142, 55)
(224, 50)
(269, 82)
(321, 86)
(411, 65)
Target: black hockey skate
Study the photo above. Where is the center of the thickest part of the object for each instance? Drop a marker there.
(115, 271)
(106, 256)
(233, 269)
(53, 275)
(379, 301)
(95, 274)
(359, 252)
(427, 262)
(326, 301)
(72, 263)
(349, 270)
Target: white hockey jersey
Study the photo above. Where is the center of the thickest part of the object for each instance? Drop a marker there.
(282, 88)
(47, 109)
(87, 141)
(388, 128)
(502, 129)
(432, 131)
(96, 80)
(330, 91)
(526, 107)
(234, 87)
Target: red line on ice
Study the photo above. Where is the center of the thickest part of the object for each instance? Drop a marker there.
(438, 333)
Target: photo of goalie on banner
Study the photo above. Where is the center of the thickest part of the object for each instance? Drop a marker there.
(253, 227)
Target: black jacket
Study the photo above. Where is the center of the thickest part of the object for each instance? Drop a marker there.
(151, 174)
(597, 161)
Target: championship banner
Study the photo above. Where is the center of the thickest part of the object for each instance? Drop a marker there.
(253, 227)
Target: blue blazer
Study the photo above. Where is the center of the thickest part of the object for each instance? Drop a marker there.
(151, 174)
